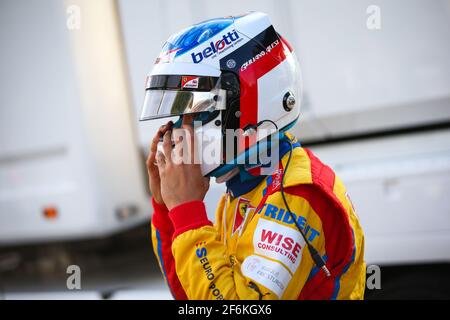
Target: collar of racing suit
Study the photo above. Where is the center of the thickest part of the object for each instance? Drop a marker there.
(245, 181)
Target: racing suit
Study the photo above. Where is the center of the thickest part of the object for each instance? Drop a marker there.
(254, 250)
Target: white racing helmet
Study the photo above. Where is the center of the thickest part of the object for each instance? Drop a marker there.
(235, 73)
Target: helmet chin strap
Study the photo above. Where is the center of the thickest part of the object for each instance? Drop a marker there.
(229, 171)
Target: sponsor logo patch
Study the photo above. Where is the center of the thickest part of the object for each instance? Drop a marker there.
(279, 242)
(273, 212)
(202, 255)
(189, 82)
(270, 274)
(243, 208)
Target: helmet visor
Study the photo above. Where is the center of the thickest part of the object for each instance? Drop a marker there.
(175, 101)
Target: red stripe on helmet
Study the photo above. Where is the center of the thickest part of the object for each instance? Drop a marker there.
(249, 87)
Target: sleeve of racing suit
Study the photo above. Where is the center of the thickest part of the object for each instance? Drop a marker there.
(162, 232)
(206, 271)
(202, 264)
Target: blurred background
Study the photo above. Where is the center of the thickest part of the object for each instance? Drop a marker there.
(73, 189)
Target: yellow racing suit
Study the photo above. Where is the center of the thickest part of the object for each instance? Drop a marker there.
(255, 251)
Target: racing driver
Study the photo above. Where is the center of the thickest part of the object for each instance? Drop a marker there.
(285, 228)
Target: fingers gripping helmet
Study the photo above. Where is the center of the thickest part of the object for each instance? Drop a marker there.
(236, 73)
